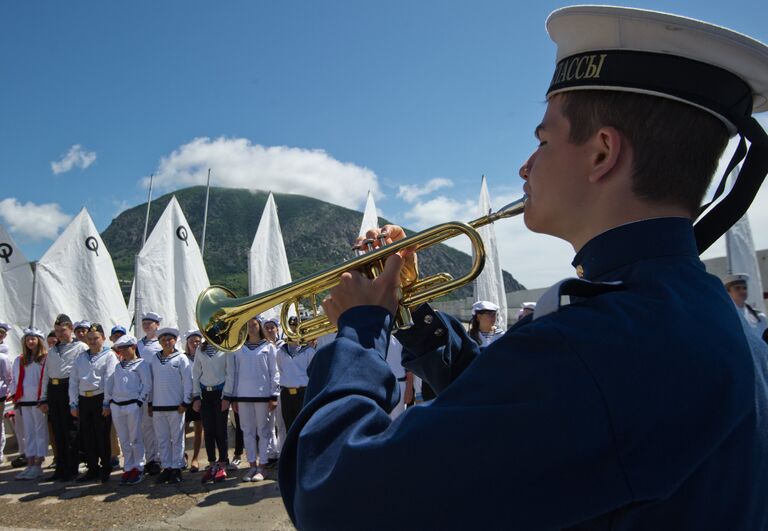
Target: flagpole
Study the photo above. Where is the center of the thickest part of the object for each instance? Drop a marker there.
(33, 264)
(136, 259)
(205, 214)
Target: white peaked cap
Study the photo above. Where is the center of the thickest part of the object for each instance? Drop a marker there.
(152, 316)
(736, 277)
(168, 330)
(125, 341)
(484, 305)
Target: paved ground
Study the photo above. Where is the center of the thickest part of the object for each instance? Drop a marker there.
(189, 505)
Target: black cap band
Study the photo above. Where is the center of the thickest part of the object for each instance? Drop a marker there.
(700, 84)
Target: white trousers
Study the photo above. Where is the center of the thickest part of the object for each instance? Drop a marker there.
(127, 421)
(277, 427)
(35, 431)
(169, 433)
(151, 452)
(18, 429)
(254, 420)
(400, 407)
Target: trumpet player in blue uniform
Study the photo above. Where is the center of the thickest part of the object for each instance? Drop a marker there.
(639, 405)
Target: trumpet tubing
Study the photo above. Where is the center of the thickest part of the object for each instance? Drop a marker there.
(222, 318)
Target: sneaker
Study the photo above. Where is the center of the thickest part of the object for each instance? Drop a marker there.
(114, 462)
(235, 464)
(37, 472)
(175, 476)
(24, 474)
(52, 466)
(259, 475)
(152, 468)
(220, 475)
(135, 477)
(164, 476)
(124, 477)
(19, 461)
(248, 477)
(91, 475)
(209, 474)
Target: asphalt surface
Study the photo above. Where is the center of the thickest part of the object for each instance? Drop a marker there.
(231, 504)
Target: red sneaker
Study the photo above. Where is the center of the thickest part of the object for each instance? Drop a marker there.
(221, 474)
(209, 474)
(125, 477)
(135, 477)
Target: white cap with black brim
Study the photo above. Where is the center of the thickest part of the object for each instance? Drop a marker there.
(710, 67)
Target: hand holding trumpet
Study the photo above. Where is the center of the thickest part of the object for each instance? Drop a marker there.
(356, 289)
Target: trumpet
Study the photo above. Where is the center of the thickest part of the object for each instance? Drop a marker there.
(222, 317)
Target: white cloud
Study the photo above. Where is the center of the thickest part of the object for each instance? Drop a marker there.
(439, 210)
(237, 163)
(411, 192)
(37, 222)
(75, 157)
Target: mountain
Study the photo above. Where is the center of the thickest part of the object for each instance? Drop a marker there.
(317, 235)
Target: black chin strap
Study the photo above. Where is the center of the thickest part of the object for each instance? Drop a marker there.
(731, 208)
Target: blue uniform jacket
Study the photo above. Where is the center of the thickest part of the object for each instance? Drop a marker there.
(636, 408)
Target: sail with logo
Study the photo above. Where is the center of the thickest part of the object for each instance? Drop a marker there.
(76, 276)
(267, 259)
(489, 285)
(170, 273)
(15, 290)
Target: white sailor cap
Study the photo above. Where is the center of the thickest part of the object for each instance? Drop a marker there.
(168, 331)
(82, 324)
(34, 332)
(273, 320)
(648, 52)
(528, 306)
(736, 278)
(709, 67)
(191, 333)
(152, 316)
(125, 341)
(484, 305)
(5, 326)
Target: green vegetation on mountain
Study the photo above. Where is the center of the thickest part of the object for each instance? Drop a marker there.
(316, 234)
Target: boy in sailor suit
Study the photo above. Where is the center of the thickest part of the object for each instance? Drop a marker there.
(147, 346)
(126, 391)
(171, 395)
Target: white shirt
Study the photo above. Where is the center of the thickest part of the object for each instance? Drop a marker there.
(395, 358)
(486, 338)
(132, 380)
(61, 357)
(171, 379)
(6, 376)
(209, 368)
(90, 373)
(147, 347)
(292, 363)
(32, 375)
(253, 373)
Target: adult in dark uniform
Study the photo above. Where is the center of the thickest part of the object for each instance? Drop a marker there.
(598, 414)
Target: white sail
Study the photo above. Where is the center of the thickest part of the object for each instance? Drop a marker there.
(489, 285)
(370, 216)
(742, 259)
(76, 276)
(170, 273)
(267, 260)
(15, 290)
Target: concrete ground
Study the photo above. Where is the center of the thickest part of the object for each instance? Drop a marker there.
(232, 504)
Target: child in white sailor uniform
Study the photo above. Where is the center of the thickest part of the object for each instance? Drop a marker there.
(126, 391)
(26, 391)
(171, 395)
(6, 380)
(87, 382)
(253, 383)
(292, 362)
(483, 328)
(272, 334)
(147, 346)
(209, 372)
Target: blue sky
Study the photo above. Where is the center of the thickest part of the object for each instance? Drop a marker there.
(414, 100)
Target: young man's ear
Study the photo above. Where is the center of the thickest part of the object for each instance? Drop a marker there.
(606, 147)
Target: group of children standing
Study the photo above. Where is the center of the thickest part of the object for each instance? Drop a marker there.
(146, 387)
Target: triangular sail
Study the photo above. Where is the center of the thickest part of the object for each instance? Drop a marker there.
(370, 216)
(267, 259)
(76, 276)
(170, 273)
(15, 290)
(489, 285)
